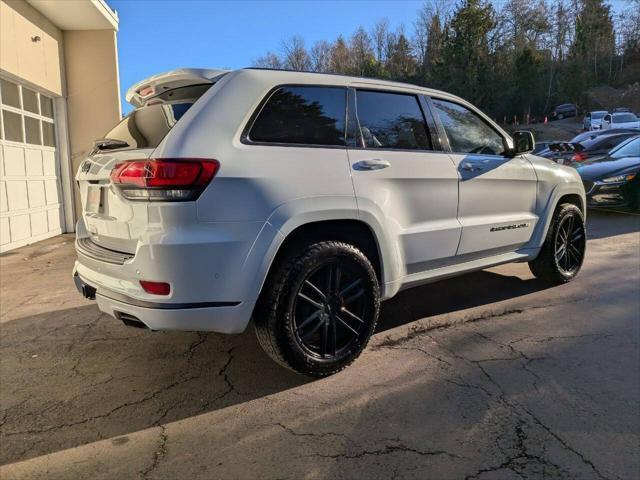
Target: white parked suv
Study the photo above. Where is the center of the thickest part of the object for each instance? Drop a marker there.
(302, 200)
(620, 120)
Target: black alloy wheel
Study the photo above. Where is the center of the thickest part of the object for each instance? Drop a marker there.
(330, 310)
(563, 251)
(318, 308)
(570, 243)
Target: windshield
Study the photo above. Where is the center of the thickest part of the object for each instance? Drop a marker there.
(597, 115)
(145, 127)
(630, 148)
(625, 117)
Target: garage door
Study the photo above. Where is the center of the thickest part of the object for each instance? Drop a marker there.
(30, 191)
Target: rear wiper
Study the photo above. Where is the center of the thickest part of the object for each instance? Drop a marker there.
(109, 144)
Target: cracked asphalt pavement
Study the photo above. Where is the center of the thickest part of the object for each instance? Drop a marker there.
(492, 375)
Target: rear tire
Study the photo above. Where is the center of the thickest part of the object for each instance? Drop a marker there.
(562, 254)
(318, 308)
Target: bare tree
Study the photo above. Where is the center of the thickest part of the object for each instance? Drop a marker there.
(379, 35)
(421, 32)
(506, 55)
(295, 54)
(270, 60)
(321, 56)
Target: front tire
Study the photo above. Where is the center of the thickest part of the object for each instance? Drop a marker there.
(318, 309)
(562, 254)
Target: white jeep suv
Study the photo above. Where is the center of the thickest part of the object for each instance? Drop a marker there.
(302, 200)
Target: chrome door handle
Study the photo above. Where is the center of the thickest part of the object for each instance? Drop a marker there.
(373, 164)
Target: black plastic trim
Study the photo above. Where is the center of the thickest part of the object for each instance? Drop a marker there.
(90, 249)
(118, 297)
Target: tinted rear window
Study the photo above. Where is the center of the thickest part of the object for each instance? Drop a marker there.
(626, 117)
(145, 127)
(302, 115)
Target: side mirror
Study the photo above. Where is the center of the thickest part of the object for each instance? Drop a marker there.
(523, 142)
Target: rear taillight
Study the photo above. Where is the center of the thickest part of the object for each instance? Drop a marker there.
(164, 179)
(579, 157)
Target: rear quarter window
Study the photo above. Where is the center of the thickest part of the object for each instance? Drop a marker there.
(302, 115)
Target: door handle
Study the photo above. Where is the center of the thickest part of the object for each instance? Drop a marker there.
(372, 164)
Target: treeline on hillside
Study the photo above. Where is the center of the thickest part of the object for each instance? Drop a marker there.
(518, 59)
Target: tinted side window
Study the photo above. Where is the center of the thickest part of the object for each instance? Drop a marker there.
(391, 120)
(467, 132)
(302, 115)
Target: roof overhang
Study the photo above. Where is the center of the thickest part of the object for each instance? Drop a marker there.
(78, 14)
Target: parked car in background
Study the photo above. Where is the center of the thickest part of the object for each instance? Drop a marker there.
(257, 194)
(620, 120)
(596, 133)
(541, 147)
(614, 180)
(565, 110)
(593, 120)
(568, 153)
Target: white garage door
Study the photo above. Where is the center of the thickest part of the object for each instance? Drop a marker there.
(30, 192)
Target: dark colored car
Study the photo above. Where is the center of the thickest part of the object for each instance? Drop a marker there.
(540, 147)
(614, 180)
(574, 153)
(565, 110)
(596, 133)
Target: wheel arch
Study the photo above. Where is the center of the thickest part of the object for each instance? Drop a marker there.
(574, 199)
(349, 230)
(561, 194)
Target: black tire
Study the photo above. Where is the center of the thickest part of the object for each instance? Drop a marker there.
(283, 316)
(551, 265)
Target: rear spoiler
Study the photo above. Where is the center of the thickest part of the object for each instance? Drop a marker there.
(564, 147)
(143, 91)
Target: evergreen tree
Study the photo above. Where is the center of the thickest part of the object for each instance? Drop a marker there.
(591, 54)
(466, 50)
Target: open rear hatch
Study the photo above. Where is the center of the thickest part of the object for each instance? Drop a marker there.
(114, 219)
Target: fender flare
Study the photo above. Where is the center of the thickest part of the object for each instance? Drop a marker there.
(286, 218)
(559, 191)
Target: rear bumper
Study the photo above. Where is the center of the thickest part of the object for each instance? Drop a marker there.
(222, 317)
(215, 272)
